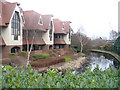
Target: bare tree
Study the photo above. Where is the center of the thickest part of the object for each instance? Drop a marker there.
(113, 35)
(29, 47)
(29, 36)
(80, 39)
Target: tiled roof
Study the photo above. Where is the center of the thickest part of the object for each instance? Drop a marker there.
(59, 41)
(46, 21)
(58, 25)
(67, 26)
(32, 18)
(2, 41)
(6, 12)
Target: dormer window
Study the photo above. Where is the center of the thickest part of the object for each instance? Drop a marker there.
(40, 21)
(63, 26)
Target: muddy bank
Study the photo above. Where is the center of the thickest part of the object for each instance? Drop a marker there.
(75, 64)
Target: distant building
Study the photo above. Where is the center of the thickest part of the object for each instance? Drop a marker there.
(38, 30)
(62, 34)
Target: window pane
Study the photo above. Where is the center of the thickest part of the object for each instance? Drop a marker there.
(15, 25)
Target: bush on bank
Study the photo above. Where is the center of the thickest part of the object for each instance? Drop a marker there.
(14, 78)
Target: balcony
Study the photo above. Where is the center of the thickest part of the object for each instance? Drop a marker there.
(37, 40)
(59, 41)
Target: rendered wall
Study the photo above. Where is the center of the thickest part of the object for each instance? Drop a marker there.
(6, 32)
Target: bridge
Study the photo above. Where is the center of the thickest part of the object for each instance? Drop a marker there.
(117, 57)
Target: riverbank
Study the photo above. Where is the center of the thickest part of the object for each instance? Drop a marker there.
(75, 64)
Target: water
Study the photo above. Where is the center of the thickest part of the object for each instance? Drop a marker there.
(101, 61)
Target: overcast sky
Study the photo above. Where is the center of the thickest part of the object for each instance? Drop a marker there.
(97, 17)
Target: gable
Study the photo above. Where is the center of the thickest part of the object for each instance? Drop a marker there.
(6, 12)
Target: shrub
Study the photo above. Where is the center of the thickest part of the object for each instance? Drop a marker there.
(81, 54)
(108, 47)
(47, 62)
(68, 59)
(29, 78)
(13, 54)
(117, 45)
(24, 52)
(53, 50)
(6, 61)
(41, 56)
(73, 49)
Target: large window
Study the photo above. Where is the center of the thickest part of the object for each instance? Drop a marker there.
(59, 36)
(50, 32)
(69, 33)
(15, 25)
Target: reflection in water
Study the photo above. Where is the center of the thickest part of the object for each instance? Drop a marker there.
(101, 61)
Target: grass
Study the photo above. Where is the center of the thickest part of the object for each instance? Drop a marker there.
(68, 59)
(40, 56)
(81, 54)
(12, 54)
(24, 52)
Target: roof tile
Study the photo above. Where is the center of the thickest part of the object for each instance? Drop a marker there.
(58, 25)
(6, 12)
(32, 18)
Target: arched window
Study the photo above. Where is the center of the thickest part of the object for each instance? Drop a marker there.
(15, 25)
(15, 49)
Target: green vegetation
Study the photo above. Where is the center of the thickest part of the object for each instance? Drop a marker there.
(48, 62)
(24, 52)
(53, 50)
(41, 56)
(75, 47)
(107, 47)
(12, 54)
(117, 45)
(67, 59)
(81, 54)
(29, 78)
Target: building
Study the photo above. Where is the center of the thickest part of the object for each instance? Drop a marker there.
(11, 23)
(30, 31)
(62, 34)
(37, 32)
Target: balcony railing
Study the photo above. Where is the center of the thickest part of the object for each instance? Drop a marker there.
(59, 41)
(37, 40)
